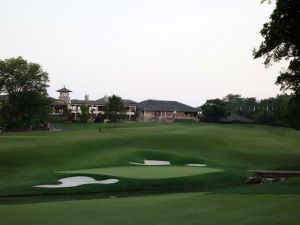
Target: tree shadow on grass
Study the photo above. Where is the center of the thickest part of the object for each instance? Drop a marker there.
(290, 186)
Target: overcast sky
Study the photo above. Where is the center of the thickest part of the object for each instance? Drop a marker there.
(185, 50)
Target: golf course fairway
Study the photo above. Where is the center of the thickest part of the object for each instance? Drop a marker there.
(215, 194)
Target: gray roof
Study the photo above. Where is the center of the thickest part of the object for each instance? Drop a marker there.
(57, 102)
(233, 117)
(84, 102)
(170, 106)
(101, 101)
(104, 99)
(64, 90)
(128, 102)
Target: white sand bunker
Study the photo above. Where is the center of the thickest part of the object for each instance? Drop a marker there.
(163, 163)
(196, 164)
(77, 181)
(152, 163)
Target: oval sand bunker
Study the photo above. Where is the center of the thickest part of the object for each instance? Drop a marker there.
(196, 164)
(152, 163)
(77, 181)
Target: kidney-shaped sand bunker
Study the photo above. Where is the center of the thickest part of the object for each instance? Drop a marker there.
(77, 181)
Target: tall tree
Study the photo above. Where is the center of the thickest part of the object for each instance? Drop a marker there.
(85, 114)
(214, 110)
(115, 109)
(281, 42)
(26, 85)
(232, 102)
(292, 113)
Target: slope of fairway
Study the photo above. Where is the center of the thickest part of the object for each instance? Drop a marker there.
(147, 172)
(29, 159)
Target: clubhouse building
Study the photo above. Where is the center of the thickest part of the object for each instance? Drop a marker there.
(149, 110)
(164, 110)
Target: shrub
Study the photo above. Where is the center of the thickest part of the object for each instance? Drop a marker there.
(100, 118)
(85, 115)
(265, 117)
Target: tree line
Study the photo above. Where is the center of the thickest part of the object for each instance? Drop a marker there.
(280, 110)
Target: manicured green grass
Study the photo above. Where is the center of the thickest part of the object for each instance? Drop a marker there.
(28, 159)
(174, 209)
(147, 172)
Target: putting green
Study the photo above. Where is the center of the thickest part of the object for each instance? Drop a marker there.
(147, 172)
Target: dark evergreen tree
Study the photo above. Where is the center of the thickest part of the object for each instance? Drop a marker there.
(115, 109)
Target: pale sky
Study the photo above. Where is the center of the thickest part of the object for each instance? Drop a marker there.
(184, 50)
